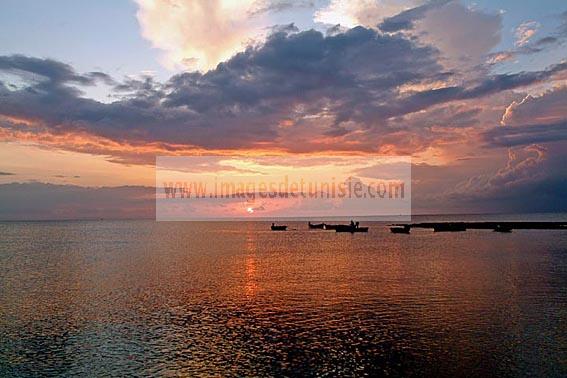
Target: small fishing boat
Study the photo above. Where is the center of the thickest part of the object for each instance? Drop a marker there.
(400, 230)
(502, 228)
(349, 228)
(318, 226)
(278, 228)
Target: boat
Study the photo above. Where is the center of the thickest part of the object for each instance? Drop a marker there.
(278, 228)
(330, 226)
(502, 228)
(400, 229)
(313, 226)
(449, 227)
(350, 228)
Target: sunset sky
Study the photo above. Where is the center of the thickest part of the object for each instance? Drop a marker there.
(91, 92)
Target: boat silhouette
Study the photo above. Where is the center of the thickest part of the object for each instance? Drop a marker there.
(313, 226)
(278, 228)
(350, 228)
(330, 226)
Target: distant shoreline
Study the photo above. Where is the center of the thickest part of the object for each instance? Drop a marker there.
(386, 219)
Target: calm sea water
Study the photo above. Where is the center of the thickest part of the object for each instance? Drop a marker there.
(144, 298)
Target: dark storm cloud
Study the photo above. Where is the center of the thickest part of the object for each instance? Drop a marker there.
(508, 136)
(307, 64)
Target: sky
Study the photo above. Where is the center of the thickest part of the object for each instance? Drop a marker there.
(91, 92)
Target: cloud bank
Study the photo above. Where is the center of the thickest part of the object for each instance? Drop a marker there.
(353, 83)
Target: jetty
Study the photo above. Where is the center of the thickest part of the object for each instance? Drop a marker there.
(400, 230)
(495, 226)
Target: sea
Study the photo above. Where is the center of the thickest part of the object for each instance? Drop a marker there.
(146, 298)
